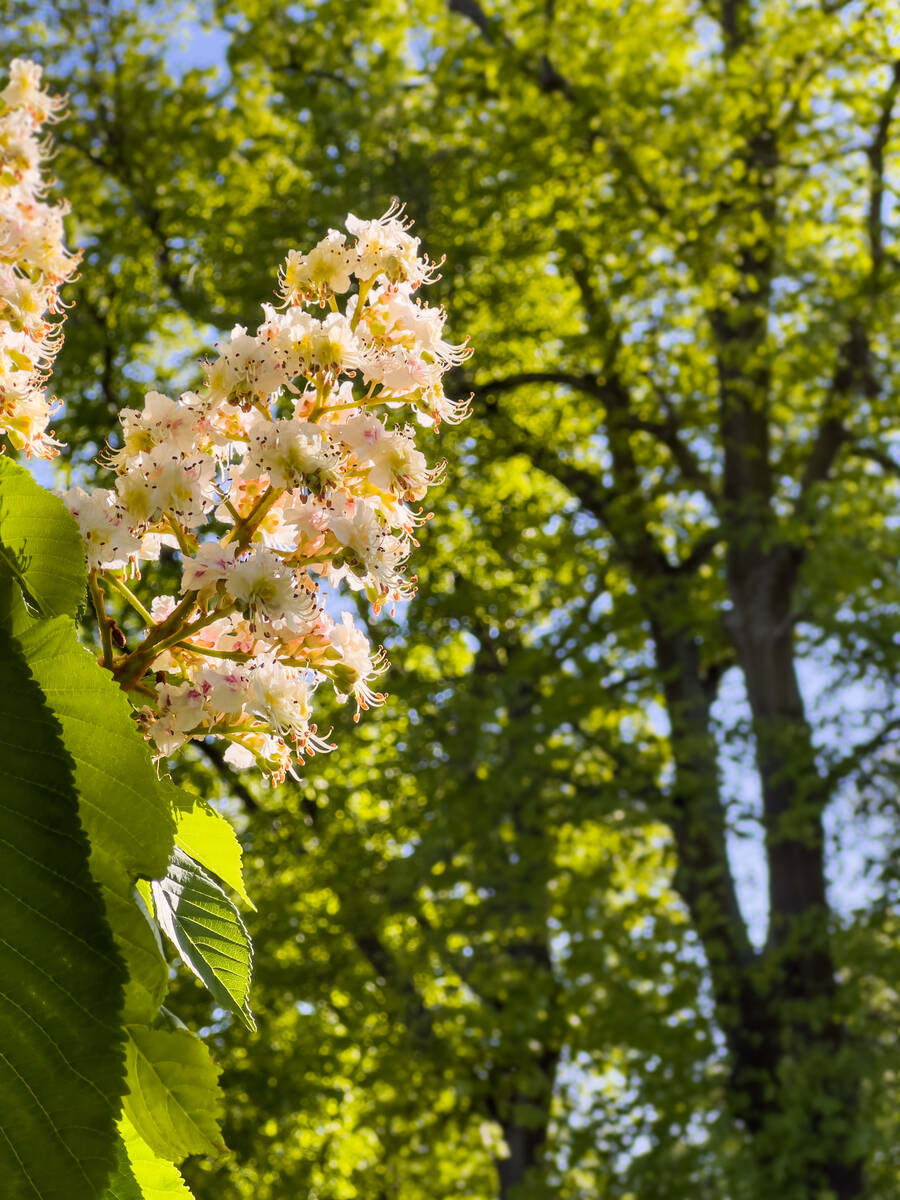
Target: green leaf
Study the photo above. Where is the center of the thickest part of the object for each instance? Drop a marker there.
(210, 840)
(207, 931)
(40, 544)
(157, 1178)
(126, 818)
(139, 942)
(122, 1184)
(61, 980)
(173, 1098)
(124, 813)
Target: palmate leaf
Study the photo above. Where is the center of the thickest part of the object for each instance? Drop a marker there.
(122, 1184)
(126, 816)
(127, 820)
(157, 1179)
(61, 980)
(139, 944)
(207, 931)
(173, 1099)
(40, 544)
(209, 839)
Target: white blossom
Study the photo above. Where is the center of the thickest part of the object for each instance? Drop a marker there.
(34, 263)
(384, 247)
(164, 480)
(269, 592)
(103, 522)
(294, 453)
(211, 564)
(327, 269)
(277, 478)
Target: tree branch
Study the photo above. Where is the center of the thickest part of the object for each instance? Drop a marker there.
(549, 79)
(489, 27)
(668, 434)
(830, 437)
(592, 494)
(632, 536)
(586, 382)
(700, 552)
(845, 766)
(875, 155)
(417, 1015)
(853, 372)
(732, 18)
(889, 465)
(665, 432)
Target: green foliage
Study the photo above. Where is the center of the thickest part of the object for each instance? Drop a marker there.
(127, 820)
(61, 1072)
(207, 931)
(210, 840)
(157, 1178)
(86, 824)
(40, 545)
(173, 1099)
(122, 1184)
(505, 910)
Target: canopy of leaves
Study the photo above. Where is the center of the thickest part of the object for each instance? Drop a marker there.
(499, 940)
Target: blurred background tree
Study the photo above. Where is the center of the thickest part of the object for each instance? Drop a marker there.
(599, 905)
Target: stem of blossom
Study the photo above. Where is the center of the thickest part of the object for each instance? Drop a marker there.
(293, 558)
(208, 652)
(130, 669)
(124, 590)
(175, 526)
(406, 398)
(364, 287)
(234, 512)
(188, 631)
(366, 402)
(236, 516)
(144, 690)
(103, 622)
(321, 393)
(243, 531)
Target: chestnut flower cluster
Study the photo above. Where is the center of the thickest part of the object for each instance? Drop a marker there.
(293, 466)
(33, 263)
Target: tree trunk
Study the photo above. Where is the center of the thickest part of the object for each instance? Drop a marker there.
(814, 1078)
(525, 1126)
(703, 878)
